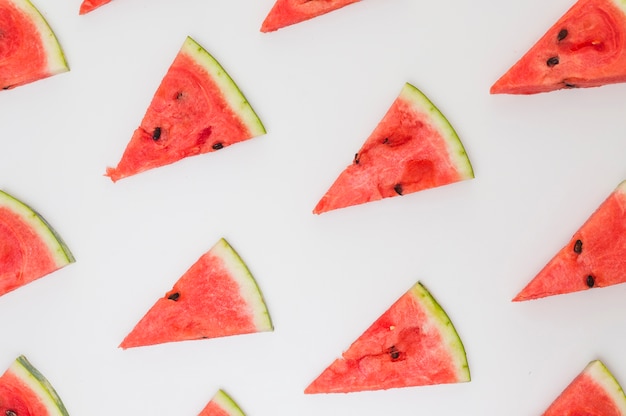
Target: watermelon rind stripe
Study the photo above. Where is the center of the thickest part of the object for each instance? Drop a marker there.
(456, 150)
(601, 374)
(36, 381)
(248, 286)
(233, 95)
(447, 330)
(57, 247)
(54, 54)
(227, 404)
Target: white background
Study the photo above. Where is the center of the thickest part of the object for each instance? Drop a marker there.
(543, 163)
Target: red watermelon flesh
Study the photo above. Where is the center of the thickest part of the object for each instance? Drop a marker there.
(221, 404)
(413, 343)
(412, 148)
(594, 257)
(216, 297)
(24, 391)
(289, 12)
(29, 247)
(90, 5)
(196, 109)
(594, 392)
(29, 50)
(586, 47)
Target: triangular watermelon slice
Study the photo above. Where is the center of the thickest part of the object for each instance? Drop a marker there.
(586, 47)
(29, 50)
(90, 5)
(289, 12)
(216, 297)
(413, 343)
(25, 391)
(593, 392)
(221, 404)
(413, 148)
(594, 257)
(29, 247)
(196, 109)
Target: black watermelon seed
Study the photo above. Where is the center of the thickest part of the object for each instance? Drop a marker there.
(552, 61)
(356, 158)
(217, 146)
(562, 35)
(174, 296)
(569, 85)
(10, 413)
(393, 353)
(578, 247)
(398, 189)
(591, 281)
(156, 134)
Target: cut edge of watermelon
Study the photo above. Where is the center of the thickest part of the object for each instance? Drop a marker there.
(457, 152)
(601, 374)
(249, 288)
(232, 94)
(54, 53)
(224, 401)
(447, 330)
(60, 251)
(39, 384)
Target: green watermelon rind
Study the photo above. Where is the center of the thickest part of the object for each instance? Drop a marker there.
(232, 94)
(449, 334)
(249, 289)
(60, 251)
(53, 51)
(37, 382)
(226, 403)
(456, 150)
(601, 375)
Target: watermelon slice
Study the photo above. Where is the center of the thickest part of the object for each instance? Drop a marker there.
(594, 257)
(413, 148)
(196, 109)
(29, 50)
(90, 5)
(216, 297)
(24, 391)
(289, 12)
(593, 392)
(586, 47)
(29, 247)
(221, 405)
(413, 343)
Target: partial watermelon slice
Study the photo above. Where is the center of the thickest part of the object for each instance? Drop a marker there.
(29, 49)
(221, 405)
(289, 12)
(413, 148)
(593, 392)
(197, 109)
(29, 247)
(216, 297)
(594, 257)
(586, 47)
(413, 343)
(25, 391)
(90, 5)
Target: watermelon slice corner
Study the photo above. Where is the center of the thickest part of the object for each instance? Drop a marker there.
(216, 297)
(412, 148)
(593, 388)
(221, 404)
(196, 109)
(29, 247)
(290, 12)
(413, 343)
(594, 257)
(25, 391)
(29, 49)
(90, 5)
(586, 47)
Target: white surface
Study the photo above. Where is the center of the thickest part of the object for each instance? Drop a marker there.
(543, 163)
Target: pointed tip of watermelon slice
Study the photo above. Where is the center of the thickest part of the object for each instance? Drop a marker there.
(91, 5)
